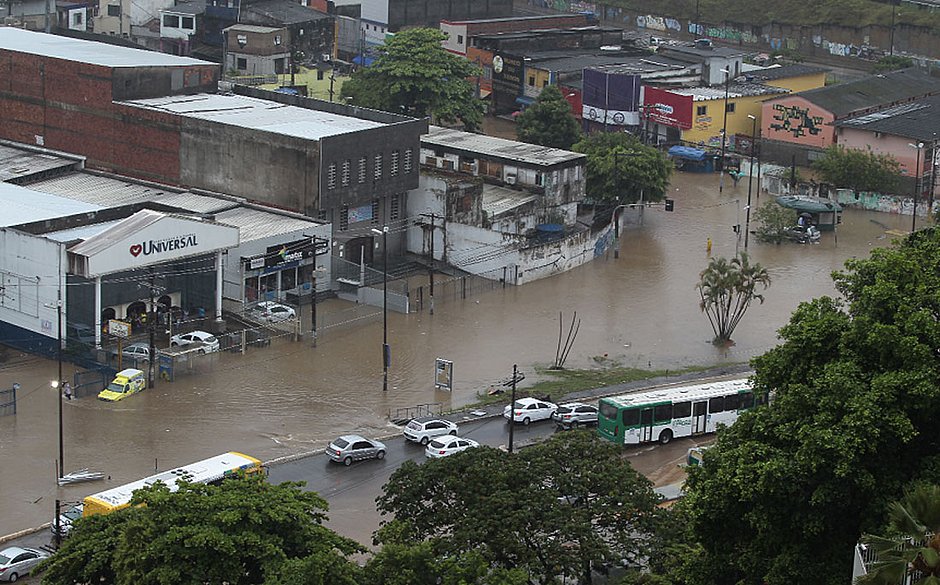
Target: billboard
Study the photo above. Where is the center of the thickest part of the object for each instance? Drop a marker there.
(610, 98)
(667, 108)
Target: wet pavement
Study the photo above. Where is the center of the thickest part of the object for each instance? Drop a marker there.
(290, 398)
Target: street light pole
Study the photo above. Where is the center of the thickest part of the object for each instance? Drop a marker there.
(386, 353)
(750, 180)
(917, 175)
(58, 384)
(724, 133)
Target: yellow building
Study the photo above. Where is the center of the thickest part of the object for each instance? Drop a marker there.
(795, 78)
(708, 110)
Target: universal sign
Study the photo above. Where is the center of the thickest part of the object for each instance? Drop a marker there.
(173, 243)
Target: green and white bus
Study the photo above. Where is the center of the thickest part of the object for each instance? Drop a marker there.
(665, 413)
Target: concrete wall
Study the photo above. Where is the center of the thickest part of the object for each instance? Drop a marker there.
(30, 276)
(895, 146)
(408, 13)
(795, 119)
(800, 82)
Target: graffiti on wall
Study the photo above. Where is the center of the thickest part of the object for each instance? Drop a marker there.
(658, 23)
(885, 203)
(722, 32)
(795, 120)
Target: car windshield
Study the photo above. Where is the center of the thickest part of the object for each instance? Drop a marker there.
(210, 339)
(4, 559)
(341, 443)
(414, 425)
(437, 445)
(73, 513)
(115, 387)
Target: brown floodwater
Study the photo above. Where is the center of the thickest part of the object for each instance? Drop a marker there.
(638, 310)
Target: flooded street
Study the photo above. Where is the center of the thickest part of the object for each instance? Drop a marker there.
(639, 310)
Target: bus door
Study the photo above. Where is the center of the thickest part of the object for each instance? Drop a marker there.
(699, 417)
(646, 425)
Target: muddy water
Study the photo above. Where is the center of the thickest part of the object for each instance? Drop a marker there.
(640, 309)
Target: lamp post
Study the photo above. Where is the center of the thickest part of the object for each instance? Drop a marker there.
(894, 14)
(917, 174)
(386, 354)
(750, 179)
(57, 383)
(724, 133)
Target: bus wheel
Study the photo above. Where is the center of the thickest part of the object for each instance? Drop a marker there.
(665, 437)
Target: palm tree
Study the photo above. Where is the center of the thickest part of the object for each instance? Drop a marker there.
(727, 289)
(913, 546)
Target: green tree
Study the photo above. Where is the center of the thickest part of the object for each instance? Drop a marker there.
(620, 168)
(859, 170)
(786, 492)
(892, 63)
(549, 121)
(243, 531)
(727, 290)
(588, 508)
(415, 75)
(773, 220)
(913, 541)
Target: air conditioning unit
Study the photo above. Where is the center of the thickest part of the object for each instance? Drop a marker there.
(325, 58)
(510, 179)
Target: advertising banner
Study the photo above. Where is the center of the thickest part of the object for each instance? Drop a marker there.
(667, 108)
(290, 252)
(610, 98)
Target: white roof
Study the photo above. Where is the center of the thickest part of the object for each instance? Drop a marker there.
(93, 53)
(80, 233)
(493, 147)
(258, 114)
(499, 200)
(21, 205)
(681, 393)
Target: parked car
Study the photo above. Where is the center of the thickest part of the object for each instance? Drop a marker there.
(126, 382)
(447, 446)
(137, 351)
(803, 234)
(18, 561)
(527, 410)
(421, 430)
(349, 448)
(211, 343)
(575, 414)
(272, 312)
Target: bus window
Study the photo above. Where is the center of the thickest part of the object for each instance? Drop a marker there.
(646, 417)
(716, 404)
(747, 400)
(732, 402)
(631, 417)
(608, 411)
(681, 409)
(662, 413)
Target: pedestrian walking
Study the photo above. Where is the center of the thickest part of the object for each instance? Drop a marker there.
(67, 390)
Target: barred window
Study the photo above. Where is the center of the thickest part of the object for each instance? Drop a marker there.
(377, 170)
(322, 215)
(395, 208)
(375, 211)
(362, 170)
(345, 173)
(331, 176)
(344, 218)
(393, 167)
(407, 162)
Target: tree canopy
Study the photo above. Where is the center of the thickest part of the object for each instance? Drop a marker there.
(620, 168)
(415, 75)
(549, 121)
(727, 289)
(241, 532)
(772, 221)
(557, 508)
(787, 491)
(859, 170)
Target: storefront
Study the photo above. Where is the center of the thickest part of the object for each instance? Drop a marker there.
(284, 271)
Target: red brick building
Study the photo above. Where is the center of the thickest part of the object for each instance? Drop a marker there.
(459, 32)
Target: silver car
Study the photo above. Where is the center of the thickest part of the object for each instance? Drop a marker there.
(349, 448)
(16, 561)
(575, 414)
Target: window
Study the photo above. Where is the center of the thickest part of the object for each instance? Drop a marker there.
(459, 39)
(188, 23)
(662, 413)
(716, 404)
(544, 83)
(171, 21)
(732, 402)
(395, 208)
(345, 173)
(377, 167)
(331, 176)
(277, 39)
(344, 218)
(241, 63)
(114, 10)
(538, 179)
(375, 212)
(631, 417)
(730, 108)
(681, 409)
(362, 170)
(407, 162)
(77, 18)
(532, 80)
(362, 445)
(701, 110)
(747, 400)
(393, 167)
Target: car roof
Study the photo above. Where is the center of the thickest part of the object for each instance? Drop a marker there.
(12, 551)
(129, 372)
(529, 400)
(352, 438)
(574, 404)
(424, 419)
(138, 344)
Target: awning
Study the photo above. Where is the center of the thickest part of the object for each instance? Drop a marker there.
(359, 60)
(687, 152)
(525, 100)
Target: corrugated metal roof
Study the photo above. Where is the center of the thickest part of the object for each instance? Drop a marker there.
(258, 114)
(735, 90)
(16, 162)
(126, 227)
(112, 192)
(92, 53)
(254, 224)
(21, 205)
(80, 233)
(918, 120)
(500, 200)
(491, 147)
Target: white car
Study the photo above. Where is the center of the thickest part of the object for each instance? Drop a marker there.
(272, 312)
(16, 561)
(421, 430)
(527, 410)
(446, 446)
(211, 343)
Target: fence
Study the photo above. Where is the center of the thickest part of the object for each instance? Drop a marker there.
(91, 382)
(456, 288)
(8, 400)
(402, 415)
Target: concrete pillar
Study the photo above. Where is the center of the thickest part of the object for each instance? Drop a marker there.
(218, 286)
(97, 312)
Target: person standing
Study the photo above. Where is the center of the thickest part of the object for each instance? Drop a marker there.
(67, 390)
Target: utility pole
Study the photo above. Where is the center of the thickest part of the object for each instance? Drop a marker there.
(432, 217)
(517, 377)
(59, 388)
(724, 133)
(152, 322)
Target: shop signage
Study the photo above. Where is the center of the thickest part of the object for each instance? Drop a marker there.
(290, 252)
(119, 328)
(170, 244)
(254, 263)
(667, 108)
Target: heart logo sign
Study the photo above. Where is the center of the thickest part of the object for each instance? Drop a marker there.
(136, 249)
